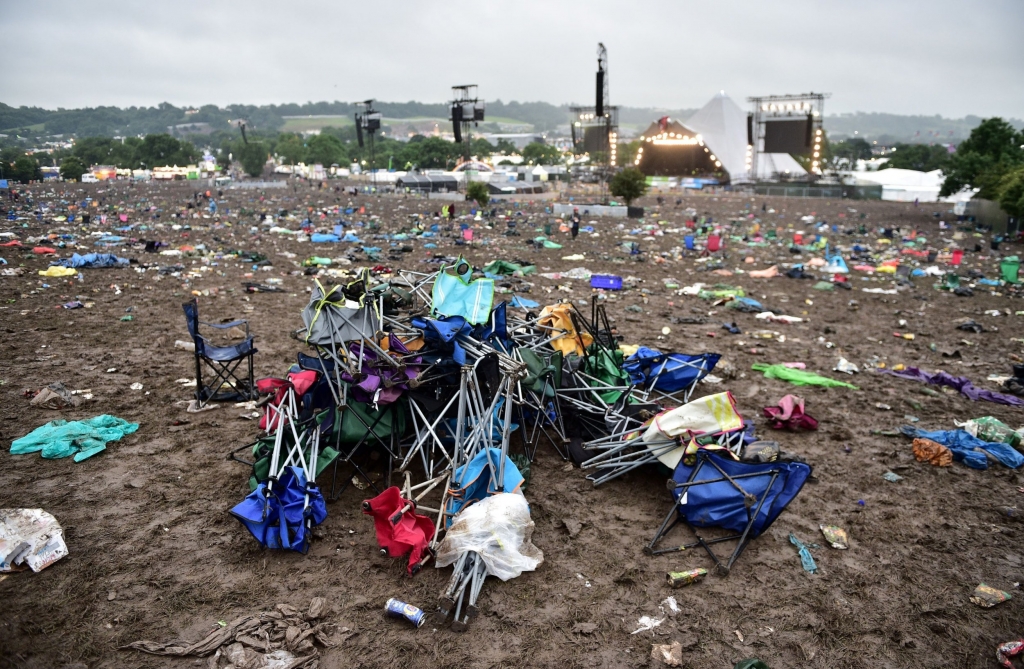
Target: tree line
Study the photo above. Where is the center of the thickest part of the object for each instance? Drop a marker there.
(333, 146)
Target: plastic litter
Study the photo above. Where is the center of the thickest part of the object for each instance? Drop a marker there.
(499, 529)
(986, 596)
(798, 377)
(835, 536)
(806, 561)
(80, 438)
(29, 539)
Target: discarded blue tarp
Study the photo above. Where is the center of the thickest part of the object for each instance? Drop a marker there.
(967, 448)
(92, 260)
(277, 518)
(320, 237)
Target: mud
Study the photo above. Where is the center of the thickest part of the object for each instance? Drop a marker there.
(155, 555)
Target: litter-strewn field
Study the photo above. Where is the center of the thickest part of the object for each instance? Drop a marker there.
(154, 555)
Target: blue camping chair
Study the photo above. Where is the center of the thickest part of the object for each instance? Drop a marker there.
(223, 361)
(741, 497)
(668, 376)
(282, 516)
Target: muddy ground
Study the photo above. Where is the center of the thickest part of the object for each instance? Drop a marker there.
(155, 555)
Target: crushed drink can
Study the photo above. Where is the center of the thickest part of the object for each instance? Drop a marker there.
(678, 579)
(396, 608)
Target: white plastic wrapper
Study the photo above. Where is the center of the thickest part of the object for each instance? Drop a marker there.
(499, 528)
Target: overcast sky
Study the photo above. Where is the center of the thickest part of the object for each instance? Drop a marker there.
(948, 57)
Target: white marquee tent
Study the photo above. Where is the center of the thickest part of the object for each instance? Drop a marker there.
(723, 127)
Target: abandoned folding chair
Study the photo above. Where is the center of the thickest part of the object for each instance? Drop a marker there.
(457, 294)
(537, 400)
(668, 377)
(282, 510)
(666, 438)
(366, 438)
(742, 498)
(400, 529)
(314, 404)
(226, 381)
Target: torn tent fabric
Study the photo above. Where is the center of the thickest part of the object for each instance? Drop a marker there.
(93, 260)
(789, 414)
(668, 372)
(798, 377)
(80, 438)
(473, 481)
(276, 516)
(503, 267)
(557, 321)
(410, 535)
(456, 295)
(968, 449)
(960, 383)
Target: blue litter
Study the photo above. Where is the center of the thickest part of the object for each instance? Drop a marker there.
(320, 237)
(93, 260)
(969, 449)
(80, 438)
(806, 561)
(523, 303)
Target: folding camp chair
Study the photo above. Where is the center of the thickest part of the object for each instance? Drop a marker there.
(739, 497)
(222, 361)
(711, 421)
(281, 510)
(668, 377)
(714, 245)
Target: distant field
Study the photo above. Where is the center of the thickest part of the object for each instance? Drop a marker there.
(303, 124)
(315, 123)
(38, 127)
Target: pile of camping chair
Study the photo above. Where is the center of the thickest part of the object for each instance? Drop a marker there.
(425, 377)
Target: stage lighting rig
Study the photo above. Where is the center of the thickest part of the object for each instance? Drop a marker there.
(368, 122)
(786, 124)
(466, 110)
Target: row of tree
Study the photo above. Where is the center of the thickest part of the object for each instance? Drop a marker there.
(333, 146)
(991, 160)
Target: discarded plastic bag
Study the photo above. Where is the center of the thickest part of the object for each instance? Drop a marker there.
(80, 438)
(29, 538)
(498, 528)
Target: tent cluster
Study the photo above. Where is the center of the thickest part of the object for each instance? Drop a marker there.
(426, 376)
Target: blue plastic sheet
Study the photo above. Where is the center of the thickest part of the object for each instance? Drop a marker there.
(93, 260)
(321, 238)
(967, 448)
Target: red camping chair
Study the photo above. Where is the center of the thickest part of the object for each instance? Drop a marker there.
(714, 245)
(400, 530)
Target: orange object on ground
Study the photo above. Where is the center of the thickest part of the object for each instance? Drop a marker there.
(43, 250)
(926, 450)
